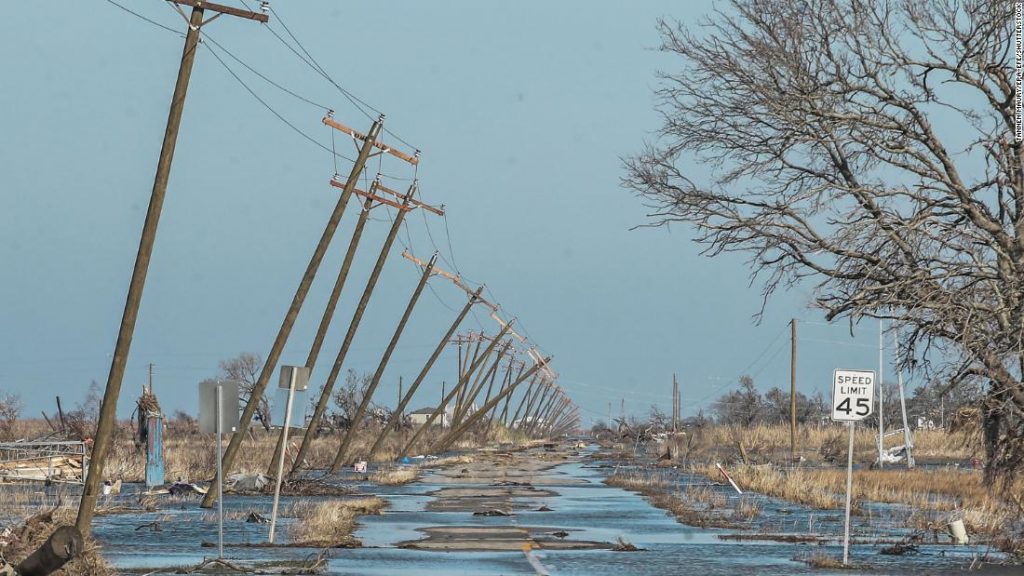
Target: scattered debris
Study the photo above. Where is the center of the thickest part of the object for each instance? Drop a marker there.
(155, 526)
(180, 488)
(491, 512)
(899, 549)
(256, 518)
(623, 546)
(42, 461)
(247, 483)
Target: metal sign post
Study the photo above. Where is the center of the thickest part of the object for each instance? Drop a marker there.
(293, 378)
(223, 396)
(220, 472)
(852, 394)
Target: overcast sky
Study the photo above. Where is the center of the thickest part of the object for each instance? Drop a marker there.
(522, 111)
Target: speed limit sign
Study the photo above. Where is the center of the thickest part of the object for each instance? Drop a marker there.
(853, 393)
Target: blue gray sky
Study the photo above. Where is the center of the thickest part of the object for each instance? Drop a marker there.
(522, 112)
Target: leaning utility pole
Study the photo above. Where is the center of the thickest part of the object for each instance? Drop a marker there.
(404, 402)
(792, 387)
(526, 402)
(296, 305)
(357, 316)
(530, 418)
(451, 394)
(542, 413)
(108, 409)
(478, 384)
(375, 381)
(457, 432)
(332, 302)
(522, 403)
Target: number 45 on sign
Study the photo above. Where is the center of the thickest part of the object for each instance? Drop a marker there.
(853, 393)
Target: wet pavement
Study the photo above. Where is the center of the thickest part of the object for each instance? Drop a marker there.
(581, 506)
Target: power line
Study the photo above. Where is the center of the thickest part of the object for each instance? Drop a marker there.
(263, 77)
(310, 61)
(271, 108)
(140, 16)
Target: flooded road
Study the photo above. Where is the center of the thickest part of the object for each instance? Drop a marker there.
(556, 499)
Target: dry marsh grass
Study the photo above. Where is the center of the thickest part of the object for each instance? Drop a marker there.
(826, 442)
(394, 477)
(933, 492)
(30, 535)
(330, 524)
(638, 480)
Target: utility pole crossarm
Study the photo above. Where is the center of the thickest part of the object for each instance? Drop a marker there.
(222, 9)
(378, 187)
(414, 159)
(455, 278)
(414, 202)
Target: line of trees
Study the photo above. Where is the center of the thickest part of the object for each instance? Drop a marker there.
(934, 404)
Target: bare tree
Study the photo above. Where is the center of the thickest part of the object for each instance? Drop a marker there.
(10, 410)
(866, 147)
(348, 396)
(245, 369)
(743, 407)
(81, 421)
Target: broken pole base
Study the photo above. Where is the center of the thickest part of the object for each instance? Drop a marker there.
(61, 547)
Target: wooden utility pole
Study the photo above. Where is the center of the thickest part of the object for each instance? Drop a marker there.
(478, 384)
(530, 419)
(792, 388)
(108, 409)
(397, 414)
(531, 400)
(332, 301)
(505, 381)
(451, 394)
(543, 411)
(456, 432)
(375, 381)
(353, 326)
(462, 392)
(522, 403)
(296, 305)
(675, 404)
(404, 402)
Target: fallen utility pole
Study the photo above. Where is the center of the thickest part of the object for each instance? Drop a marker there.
(296, 305)
(332, 303)
(375, 381)
(357, 316)
(448, 398)
(426, 369)
(457, 432)
(108, 410)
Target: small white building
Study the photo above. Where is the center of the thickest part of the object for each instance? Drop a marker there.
(420, 417)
